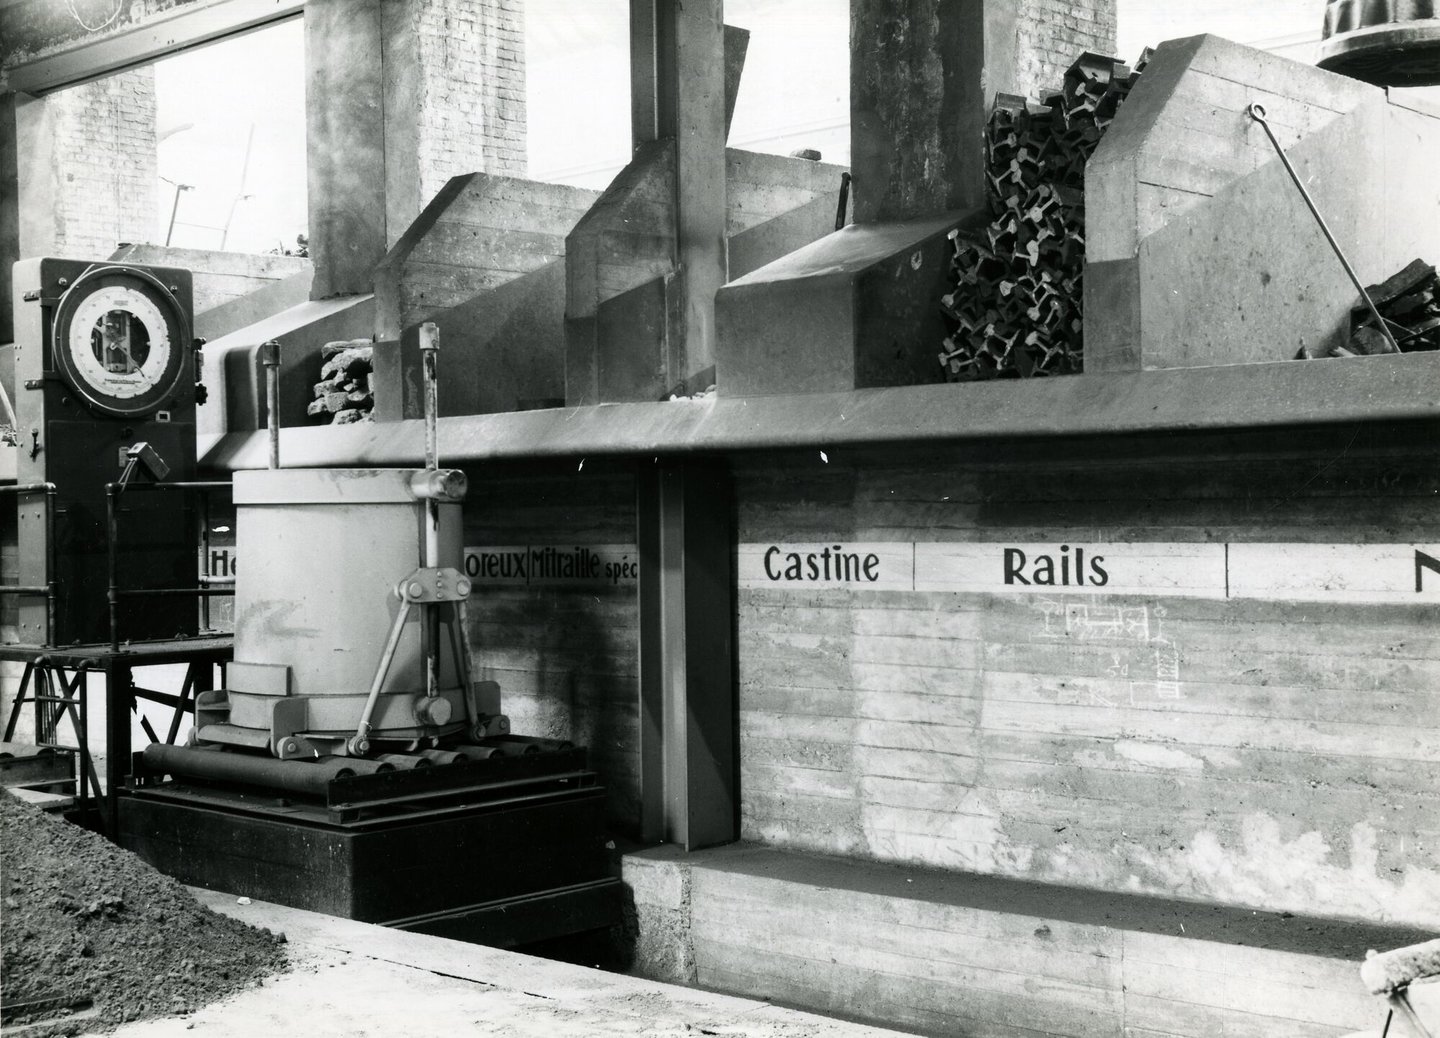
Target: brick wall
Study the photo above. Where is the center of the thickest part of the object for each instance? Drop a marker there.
(472, 57)
(104, 163)
(1053, 33)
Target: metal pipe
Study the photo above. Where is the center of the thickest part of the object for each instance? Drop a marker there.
(52, 591)
(112, 526)
(165, 592)
(270, 357)
(26, 488)
(1257, 112)
(213, 484)
(291, 776)
(429, 350)
(204, 520)
(359, 745)
(405, 760)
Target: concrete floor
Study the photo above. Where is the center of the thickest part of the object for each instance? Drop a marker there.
(356, 979)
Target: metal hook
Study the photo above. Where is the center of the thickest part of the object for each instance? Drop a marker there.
(1256, 112)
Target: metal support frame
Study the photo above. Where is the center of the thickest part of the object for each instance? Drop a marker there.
(58, 685)
(688, 714)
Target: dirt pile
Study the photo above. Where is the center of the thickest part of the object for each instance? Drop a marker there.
(84, 919)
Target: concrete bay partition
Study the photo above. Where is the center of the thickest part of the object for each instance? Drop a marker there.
(623, 319)
(1200, 249)
(232, 289)
(857, 309)
(235, 376)
(485, 262)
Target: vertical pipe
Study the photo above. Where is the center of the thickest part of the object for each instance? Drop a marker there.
(51, 585)
(429, 348)
(112, 526)
(270, 357)
(204, 562)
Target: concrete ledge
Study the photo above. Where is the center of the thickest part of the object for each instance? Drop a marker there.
(349, 978)
(950, 953)
(1397, 388)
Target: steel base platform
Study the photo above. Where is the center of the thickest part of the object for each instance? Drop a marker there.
(500, 863)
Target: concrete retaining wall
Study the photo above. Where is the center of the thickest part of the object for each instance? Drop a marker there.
(1271, 754)
(949, 955)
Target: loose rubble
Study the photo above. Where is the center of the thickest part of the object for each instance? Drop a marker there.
(84, 920)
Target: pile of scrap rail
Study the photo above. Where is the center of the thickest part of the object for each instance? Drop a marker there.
(1016, 306)
(1408, 303)
(346, 390)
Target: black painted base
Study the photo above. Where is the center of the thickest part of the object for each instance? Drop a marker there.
(498, 873)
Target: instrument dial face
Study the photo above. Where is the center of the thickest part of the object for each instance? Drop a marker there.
(118, 341)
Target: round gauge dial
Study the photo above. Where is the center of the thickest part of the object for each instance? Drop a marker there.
(120, 341)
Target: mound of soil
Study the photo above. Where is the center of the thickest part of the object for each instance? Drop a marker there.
(85, 919)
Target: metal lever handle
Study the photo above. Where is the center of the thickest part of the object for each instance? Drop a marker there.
(1257, 113)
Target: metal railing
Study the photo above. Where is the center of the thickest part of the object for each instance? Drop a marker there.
(210, 585)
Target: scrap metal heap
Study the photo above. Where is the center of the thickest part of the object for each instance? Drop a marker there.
(1016, 307)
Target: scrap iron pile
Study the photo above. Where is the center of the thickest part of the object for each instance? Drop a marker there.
(1016, 306)
(1408, 302)
(345, 392)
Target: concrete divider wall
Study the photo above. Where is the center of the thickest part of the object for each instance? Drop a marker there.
(220, 277)
(1270, 754)
(485, 262)
(1199, 247)
(622, 311)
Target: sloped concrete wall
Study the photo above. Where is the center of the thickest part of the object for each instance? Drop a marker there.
(1199, 247)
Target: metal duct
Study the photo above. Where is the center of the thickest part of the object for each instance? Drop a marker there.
(1385, 42)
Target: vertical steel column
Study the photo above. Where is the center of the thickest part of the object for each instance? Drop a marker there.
(119, 701)
(687, 689)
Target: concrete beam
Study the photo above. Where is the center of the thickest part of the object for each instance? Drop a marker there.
(1336, 394)
(44, 48)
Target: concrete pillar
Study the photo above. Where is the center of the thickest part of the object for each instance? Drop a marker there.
(402, 95)
(345, 144)
(25, 196)
(922, 74)
(678, 92)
